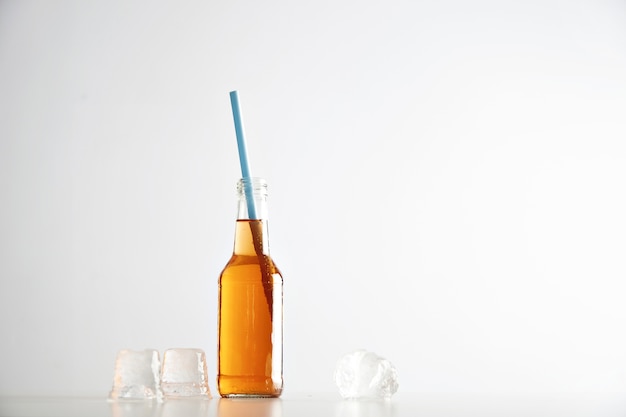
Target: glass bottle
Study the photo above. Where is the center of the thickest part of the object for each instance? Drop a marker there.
(250, 305)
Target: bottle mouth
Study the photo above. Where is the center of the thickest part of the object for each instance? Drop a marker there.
(256, 184)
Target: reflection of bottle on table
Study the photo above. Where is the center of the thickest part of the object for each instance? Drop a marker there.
(250, 316)
(249, 407)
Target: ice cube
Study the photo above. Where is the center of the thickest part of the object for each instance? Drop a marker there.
(184, 373)
(363, 374)
(137, 375)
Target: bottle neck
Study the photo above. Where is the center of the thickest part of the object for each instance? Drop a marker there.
(251, 233)
(251, 238)
(252, 195)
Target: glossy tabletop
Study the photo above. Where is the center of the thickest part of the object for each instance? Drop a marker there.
(318, 405)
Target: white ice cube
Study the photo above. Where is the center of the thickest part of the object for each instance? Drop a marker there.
(363, 374)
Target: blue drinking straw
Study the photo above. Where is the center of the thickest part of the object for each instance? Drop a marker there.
(243, 154)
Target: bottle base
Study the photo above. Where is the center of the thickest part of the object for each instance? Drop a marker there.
(237, 396)
(247, 386)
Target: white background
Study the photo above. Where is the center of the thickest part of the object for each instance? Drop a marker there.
(447, 186)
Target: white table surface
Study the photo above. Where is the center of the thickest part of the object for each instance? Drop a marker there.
(319, 405)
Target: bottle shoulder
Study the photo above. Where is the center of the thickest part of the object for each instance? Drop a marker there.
(244, 267)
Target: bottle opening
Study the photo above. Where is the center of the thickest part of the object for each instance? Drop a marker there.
(256, 184)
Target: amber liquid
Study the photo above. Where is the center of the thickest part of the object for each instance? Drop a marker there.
(250, 318)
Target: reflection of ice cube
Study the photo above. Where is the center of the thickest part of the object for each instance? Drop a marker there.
(135, 408)
(365, 408)
(184, 373)
(363, 374)
(189, 406)
(137, 375)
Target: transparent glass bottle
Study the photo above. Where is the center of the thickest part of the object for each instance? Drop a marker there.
(250, 305)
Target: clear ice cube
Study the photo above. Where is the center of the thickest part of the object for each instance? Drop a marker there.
(184, 373)
(136, 375)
